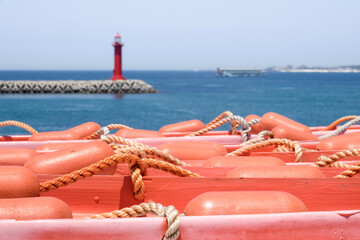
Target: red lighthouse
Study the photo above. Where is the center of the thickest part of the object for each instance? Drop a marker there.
(117, 73)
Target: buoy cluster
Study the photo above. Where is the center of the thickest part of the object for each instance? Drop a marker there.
(276, 148)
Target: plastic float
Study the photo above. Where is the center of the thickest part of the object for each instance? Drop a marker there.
(264, 188)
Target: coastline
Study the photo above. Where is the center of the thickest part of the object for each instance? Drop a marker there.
(321, 70)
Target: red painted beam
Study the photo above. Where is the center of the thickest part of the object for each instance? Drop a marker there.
(107, 193)
(310, 226)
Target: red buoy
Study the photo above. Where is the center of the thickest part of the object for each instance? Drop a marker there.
(71, 159)
(243, 202)
(240, 161)
(288, 171)
(34, 208)
(18, 182)
(340, 142)
(293, 134)
(193, 150)
(16, 156)
(137, 133)
(270, 120)
(186, 126)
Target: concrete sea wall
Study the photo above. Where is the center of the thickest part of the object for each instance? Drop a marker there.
(131, 86)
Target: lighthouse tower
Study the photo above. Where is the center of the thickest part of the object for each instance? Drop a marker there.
(117, 73)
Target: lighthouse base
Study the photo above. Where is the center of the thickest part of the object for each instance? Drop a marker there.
(117, 77)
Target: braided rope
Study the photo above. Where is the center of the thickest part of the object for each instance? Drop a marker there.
(234, 125)
(208, 128)
(293, 146)
(105, 130)
(253, 122)
(236, 121)
(218, 118)
(18, 124)
(333, 125)
(351, 171)
(340, 129)
(112, 139)
(330, 161)
(261, 137)
(281, 149)
(170, 212)
(136, 165)
(245, 128)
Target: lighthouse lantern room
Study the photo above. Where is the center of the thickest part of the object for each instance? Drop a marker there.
(117, 73)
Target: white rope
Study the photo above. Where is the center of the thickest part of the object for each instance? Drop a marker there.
(104, 131)
(340, 129)
(245, 128)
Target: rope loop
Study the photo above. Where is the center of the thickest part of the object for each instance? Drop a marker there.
(341, 129)
(208, 128)
(333, 125)
(218, 118)
(18, 124)
(170, 213)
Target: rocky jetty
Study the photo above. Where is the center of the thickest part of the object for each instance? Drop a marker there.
(71, 86)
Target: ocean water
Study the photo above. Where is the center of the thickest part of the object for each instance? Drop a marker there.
(311, 98)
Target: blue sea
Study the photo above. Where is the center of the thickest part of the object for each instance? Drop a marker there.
(311, 98)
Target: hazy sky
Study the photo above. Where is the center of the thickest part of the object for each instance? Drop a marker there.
(187, 34)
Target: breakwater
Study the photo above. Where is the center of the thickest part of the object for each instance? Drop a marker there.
(131, 86)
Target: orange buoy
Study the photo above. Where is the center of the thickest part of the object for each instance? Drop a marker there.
(289, 171)
(340, 142)
(271, 120)
(137, 133)
(34, 208)
(292, 134)
(56, 135)
(193, 150)
(254, 128)
(71, 159)
(187, 126)
(243, 202)
(75, 133)
(16, 156)
(85, 129)
(18, 182)
(58, 146)
(237, 161)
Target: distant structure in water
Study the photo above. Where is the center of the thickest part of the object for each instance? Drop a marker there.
(227, 72)
(117, 73)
